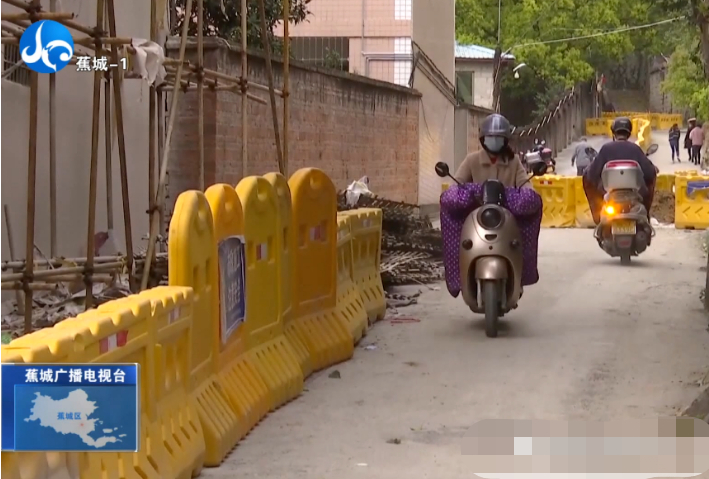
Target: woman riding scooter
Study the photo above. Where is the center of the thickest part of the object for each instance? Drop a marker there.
(495, 161)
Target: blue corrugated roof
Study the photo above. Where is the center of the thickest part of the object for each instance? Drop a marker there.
(477, 52)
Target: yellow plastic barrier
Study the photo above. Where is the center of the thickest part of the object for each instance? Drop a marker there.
(658, 121)
(665, 182)
(692, 202)
(584, 219)
(366, 251)
(192, 260)
(596, 126)
(280, 184)
(237, 372)
(164, 451)
(316, 321)
(270, 351)
(558, 197)
(349, 300)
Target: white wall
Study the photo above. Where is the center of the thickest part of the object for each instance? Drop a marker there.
(483, 83)
(74, 111)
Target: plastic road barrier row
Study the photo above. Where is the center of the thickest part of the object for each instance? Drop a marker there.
(268, 283)
(691, 201)
(658, 121)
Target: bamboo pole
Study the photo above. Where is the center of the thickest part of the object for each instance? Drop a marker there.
(118, 100)
(84, 41)
(161, 139)
(286, 82)
(152, 107)
(29, 286)
(93, 175)
(109, 150)
(160, 198)
(50, 273)
(244, 89)
(51, 15)
(58, 262)
(19, 298)
(200, 91)
(170, 62)
(269, 73)
(53, 156)
(27, 276)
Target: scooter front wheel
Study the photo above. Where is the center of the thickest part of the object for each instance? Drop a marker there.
(491, 300)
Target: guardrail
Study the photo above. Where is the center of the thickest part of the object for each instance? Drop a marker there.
(268, 283)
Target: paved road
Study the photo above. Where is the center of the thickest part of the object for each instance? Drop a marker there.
(663, 157)
(592, 340)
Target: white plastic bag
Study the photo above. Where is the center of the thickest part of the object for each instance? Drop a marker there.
(356, 189)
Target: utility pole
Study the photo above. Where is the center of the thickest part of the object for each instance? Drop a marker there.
(497, 62)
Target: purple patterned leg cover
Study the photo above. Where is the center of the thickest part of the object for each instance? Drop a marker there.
(456, 204)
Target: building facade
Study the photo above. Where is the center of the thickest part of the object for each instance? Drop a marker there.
(382, 39)
(474, 74)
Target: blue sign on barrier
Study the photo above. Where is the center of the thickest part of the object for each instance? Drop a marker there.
(693, 186)
(70, 407)
(232, 282)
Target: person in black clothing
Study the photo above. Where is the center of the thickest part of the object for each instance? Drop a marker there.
(619, 149)
(691, 124)
(674, 142)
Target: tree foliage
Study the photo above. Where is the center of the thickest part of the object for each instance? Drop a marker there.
(552, 67)
(686, 83)
(222, 18)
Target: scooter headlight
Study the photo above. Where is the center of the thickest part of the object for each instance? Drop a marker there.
(491, 218)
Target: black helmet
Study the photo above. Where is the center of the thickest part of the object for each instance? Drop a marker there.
(495, 125)
(622, 123)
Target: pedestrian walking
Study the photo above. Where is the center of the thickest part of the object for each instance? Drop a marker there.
(697, 138)
(691, 124)
(581, 156)
(674, 142)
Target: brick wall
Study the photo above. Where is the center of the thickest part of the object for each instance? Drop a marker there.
(347, 125)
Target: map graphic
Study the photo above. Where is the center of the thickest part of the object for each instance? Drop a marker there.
(74, 417)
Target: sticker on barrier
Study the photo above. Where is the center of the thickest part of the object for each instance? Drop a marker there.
(558, 198)
(316, 320)
(691, 203)
(349, 300)
(231, 285)
(192, 261)
(270, 350)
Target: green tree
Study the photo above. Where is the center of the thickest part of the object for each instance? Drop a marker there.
(222, 18)
(686, 83)
(556, 65)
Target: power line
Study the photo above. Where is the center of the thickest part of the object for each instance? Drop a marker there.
(599, 34)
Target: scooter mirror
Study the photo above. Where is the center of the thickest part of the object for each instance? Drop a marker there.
(442, 169)
(652, 149)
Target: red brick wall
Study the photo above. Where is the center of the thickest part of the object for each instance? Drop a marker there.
(347, 125)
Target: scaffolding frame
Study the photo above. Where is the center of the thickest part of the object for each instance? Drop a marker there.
(32, 274)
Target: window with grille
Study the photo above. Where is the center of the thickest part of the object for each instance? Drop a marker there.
(402, 72)
(402, 9)
(12, 69)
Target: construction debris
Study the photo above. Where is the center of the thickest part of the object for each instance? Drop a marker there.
(412, 249)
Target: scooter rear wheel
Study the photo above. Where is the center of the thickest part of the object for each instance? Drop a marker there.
(491, 300)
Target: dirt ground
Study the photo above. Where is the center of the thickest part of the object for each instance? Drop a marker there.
(663, 207)
(592, 340)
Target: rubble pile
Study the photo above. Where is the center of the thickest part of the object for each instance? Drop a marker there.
(412, 249)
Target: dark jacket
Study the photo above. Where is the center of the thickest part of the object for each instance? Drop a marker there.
(674, 135)
(687, 141)
(620, 150)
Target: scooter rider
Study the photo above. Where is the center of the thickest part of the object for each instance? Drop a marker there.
(496, 159)
(619, 149)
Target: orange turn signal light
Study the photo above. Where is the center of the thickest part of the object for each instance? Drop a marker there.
(610, 210)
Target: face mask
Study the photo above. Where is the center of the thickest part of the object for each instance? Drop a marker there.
(494, 144)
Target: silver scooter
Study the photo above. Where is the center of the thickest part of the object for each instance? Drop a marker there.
(490, 254)
(624, 230)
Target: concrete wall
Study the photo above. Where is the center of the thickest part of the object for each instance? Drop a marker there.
(658, 100)
(74, 107)
(434, 33)
(347, 125)
(482, 72)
